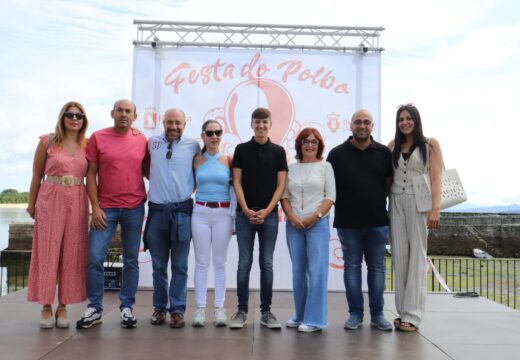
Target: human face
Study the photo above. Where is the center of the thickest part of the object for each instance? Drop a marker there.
(212, 142)
(261, 127)
(124, 115)
(310, 147)
(405, 123)
(174, 124)
(73, 124)
(361, 126)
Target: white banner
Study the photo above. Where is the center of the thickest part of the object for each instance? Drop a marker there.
(302, 89)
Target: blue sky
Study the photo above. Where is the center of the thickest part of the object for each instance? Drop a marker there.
(456, 60)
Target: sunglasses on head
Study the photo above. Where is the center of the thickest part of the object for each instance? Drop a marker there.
(210, 133)
(70, 115)
(169, 153)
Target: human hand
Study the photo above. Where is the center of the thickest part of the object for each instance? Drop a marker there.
(296, 222)
(31, 210)
(98, 219)
(258, 217)
(434, 219)
(135, 131)
(310, 220)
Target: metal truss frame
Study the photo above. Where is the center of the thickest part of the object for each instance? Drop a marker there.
(257, 36)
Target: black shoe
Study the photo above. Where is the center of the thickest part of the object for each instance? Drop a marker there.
(127, 318)
(91, 317)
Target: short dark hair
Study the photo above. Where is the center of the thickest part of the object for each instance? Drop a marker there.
(261, 113)
(304, 134)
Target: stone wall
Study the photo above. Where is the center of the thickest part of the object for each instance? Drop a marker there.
(460, 233)
(21, 233)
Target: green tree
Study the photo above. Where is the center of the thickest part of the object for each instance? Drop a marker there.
(12, 196)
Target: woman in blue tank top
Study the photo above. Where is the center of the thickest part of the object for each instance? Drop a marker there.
(211, 222)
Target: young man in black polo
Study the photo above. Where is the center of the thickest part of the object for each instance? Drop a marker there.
(259, 175)
(363, 172)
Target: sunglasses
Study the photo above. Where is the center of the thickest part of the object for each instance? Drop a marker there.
(70, 115)
(210, 133)
(169, 153)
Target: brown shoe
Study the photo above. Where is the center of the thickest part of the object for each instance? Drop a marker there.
(176, 321)
(158, 317)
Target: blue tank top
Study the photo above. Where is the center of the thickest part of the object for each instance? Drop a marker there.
(212, 180)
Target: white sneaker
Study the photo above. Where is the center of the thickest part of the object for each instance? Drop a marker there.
(292, 323)
(220, 317)
(308, 328)
(199, 318)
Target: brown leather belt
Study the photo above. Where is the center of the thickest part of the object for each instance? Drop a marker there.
(214, 204)
(67, 180)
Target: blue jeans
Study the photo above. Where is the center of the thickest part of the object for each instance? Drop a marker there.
(267, 233)
(162, 247)
(131, 221)
(309, 250)
(371, 243)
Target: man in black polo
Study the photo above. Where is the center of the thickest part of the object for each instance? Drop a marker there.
(363, 172)
(259, 175)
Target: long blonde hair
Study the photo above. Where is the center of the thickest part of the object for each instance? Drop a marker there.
(59, 131)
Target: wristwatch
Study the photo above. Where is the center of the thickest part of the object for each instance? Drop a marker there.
(320, 215)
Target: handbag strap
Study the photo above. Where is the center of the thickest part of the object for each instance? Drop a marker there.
(427, 165)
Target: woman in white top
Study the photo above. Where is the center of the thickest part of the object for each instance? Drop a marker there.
(412, 155)
(308, 197)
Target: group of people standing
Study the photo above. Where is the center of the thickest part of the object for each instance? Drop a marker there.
(238, 194)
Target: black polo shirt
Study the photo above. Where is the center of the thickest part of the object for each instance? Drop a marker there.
(360, 184)
(260, 164)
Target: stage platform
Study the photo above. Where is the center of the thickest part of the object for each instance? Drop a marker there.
(453, 328)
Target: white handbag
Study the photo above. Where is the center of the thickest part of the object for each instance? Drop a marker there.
(452, 191)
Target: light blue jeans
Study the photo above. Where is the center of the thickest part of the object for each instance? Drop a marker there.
(370, 243)
(131, 221)
(309, 250)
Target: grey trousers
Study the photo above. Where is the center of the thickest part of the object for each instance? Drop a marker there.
(408, 236)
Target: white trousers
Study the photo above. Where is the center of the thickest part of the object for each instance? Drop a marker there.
(211, 232)
(408, 236)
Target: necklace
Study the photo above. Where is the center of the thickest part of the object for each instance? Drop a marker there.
(301, 171)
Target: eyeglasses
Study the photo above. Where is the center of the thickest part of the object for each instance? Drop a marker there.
(360, 122)
(169, 153)
(210, 133)
(70, 115)
(312, 142)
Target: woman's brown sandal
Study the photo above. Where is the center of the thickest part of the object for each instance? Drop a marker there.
(408, 327)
